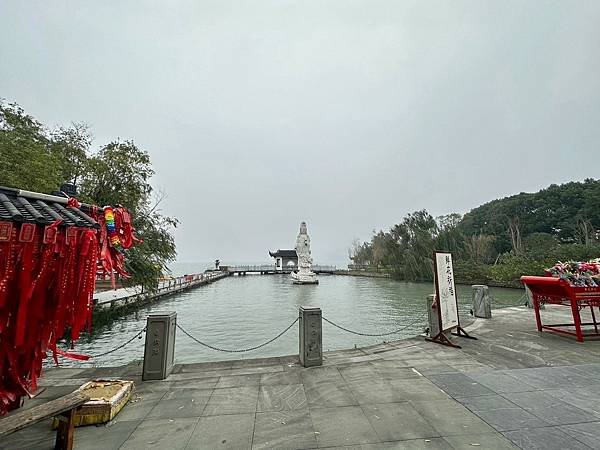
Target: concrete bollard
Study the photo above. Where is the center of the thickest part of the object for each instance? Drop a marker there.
(159, 351)
(529, 301)
(482, 304)
(311, 337)
(432, 316)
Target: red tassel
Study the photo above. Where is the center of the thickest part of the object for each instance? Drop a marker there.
(72, 355)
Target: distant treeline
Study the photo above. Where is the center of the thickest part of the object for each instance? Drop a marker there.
(494, 243)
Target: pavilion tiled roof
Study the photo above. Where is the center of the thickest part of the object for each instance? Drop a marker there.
(17, 205)
(284, 254)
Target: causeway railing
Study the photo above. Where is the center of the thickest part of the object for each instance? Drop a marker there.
(131, 294)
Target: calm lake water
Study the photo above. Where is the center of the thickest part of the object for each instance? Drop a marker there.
(241, 312)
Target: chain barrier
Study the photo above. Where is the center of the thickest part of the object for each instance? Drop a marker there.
(497, 304)
(421, 317)
(212, 347)
(138, 335)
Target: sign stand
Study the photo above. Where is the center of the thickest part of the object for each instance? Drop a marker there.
(446, 301)
(460, 332)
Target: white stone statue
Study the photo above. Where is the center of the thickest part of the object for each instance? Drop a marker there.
(304, 275)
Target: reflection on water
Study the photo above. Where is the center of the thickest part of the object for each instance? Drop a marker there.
(240, 312)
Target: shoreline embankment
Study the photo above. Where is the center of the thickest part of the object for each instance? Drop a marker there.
(516, 284)
(360, 273)
(109, 305)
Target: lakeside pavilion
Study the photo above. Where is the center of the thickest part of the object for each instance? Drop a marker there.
(285, 259)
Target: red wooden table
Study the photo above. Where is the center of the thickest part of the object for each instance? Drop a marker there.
(556, 291)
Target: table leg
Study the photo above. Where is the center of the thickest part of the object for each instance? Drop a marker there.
(65, 431)
(594, 318)
(576, 320)
(536, 309)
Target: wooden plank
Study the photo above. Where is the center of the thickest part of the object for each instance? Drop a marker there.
(23, 419)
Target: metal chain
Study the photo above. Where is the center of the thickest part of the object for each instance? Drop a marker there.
(138, 335)
(375, 335)
(212, 347)
(507, 305)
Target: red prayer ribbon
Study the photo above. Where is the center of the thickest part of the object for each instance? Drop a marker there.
(47, 280)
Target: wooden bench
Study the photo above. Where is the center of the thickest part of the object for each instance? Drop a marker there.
(63, 408)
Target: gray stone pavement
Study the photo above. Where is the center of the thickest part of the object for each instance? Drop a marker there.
(512, 388)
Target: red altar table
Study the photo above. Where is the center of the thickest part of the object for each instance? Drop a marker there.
(556, 291)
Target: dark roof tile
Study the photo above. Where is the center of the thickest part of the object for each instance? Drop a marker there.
(19, 206)
(284, 254)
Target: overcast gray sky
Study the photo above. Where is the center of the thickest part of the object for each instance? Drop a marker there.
(345, 114)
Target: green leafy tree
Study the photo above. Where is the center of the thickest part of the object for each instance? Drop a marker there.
(25, 151)
(71, 147)
(415, 238)
(385, 250)
(449, 236)
(120, 174)
(479, 249)
(360, 253)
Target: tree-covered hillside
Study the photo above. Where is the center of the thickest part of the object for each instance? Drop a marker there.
(494, 243)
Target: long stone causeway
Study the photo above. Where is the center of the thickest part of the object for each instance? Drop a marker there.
(132, 295)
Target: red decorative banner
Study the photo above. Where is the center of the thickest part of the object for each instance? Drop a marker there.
(71, 235)
(27, 232)
(5, 231)
(50, 234)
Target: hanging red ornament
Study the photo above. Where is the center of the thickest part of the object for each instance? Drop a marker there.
(47, 280)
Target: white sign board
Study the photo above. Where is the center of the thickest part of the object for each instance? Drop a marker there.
(446, 291)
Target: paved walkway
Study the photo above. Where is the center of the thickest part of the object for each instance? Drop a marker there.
(512, 388)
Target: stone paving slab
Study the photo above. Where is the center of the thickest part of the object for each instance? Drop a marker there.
(233, 431)
(482, 441)
(507, 419)
(551, 408)
(281, 397)
(279, 378)
(139, 407)
(398, 422)
(459, 385)
(418, 390)
(545, 439)
(586, 399)
(374, 391)
(180, 403)
(329, 393)
(586, 433)
(414, 444)
(501, 382)
(236, 400)
(120, 432)
(238, 381)
(158, 433)
(450, 418)
(345, 425)
(284, 430)
(512, 388)
(486, 402)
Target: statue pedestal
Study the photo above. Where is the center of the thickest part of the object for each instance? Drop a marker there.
(304, 277)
